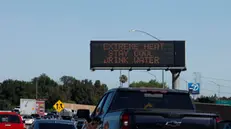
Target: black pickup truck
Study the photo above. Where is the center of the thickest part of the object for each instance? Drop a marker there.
(150, 108)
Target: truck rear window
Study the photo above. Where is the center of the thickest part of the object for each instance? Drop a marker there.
(145, 100)
(5, 118)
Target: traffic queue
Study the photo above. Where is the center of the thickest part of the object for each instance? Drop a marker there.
(125, 108)
(52, 120)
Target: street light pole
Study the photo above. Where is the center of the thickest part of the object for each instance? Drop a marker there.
(157, 40)
(152, 75)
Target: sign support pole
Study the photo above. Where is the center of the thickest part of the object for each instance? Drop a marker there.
(128, 78)
(175, 78)
(119, 77)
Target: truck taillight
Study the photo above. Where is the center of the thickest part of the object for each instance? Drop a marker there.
(218, 119)
(125, 121)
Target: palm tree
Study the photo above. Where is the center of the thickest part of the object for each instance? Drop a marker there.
(123, 78)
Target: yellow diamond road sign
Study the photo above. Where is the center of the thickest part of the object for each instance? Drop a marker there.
(58, 106)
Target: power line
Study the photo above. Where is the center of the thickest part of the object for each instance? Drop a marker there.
(216, 78)
(208, 90)
(215, 91)
(218, 84)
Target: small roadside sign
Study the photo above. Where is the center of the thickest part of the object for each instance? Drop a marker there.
(58, 106)
(194, 88)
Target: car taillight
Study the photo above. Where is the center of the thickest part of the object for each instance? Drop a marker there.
(24, 126)
(218, 119)
(125, 121)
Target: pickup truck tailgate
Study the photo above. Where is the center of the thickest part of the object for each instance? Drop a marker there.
(180, 120)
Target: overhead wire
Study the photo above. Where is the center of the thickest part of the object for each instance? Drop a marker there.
(204, 89)
(215, 91)
(216, 78)
(218, 85)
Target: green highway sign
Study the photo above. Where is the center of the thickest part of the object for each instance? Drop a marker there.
(224, 102)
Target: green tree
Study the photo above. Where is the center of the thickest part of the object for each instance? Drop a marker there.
(208, 99)
(151, 83)
(71, 90)
(123, 78)
(68, 80)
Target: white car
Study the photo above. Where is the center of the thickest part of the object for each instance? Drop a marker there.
(28, 120)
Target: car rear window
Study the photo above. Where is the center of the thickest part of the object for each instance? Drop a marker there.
(55, 126)
(35, 115)
(6, 118)
(27, 117)
(144, 100)
(80, 123)
(81, 113)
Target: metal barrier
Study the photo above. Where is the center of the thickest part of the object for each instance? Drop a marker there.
(223, 110)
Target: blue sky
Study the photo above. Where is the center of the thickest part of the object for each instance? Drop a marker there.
(53, 36)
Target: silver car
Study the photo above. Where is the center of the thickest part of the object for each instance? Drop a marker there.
(53, 124)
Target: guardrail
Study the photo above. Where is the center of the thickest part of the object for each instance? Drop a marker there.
(222, 110)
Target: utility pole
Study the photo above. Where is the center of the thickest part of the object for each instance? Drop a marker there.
(219, 89)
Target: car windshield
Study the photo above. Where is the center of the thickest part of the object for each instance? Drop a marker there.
(125, 99)
(55, 126)
(5, 118)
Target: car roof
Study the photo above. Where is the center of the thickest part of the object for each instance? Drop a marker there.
(8, 112)
(28, 116)
(148, 89)
(54, 121)
(81, 119)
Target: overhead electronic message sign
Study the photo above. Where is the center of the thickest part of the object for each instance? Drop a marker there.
(137, 55)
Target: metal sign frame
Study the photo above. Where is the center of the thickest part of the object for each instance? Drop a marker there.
(98, 52)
